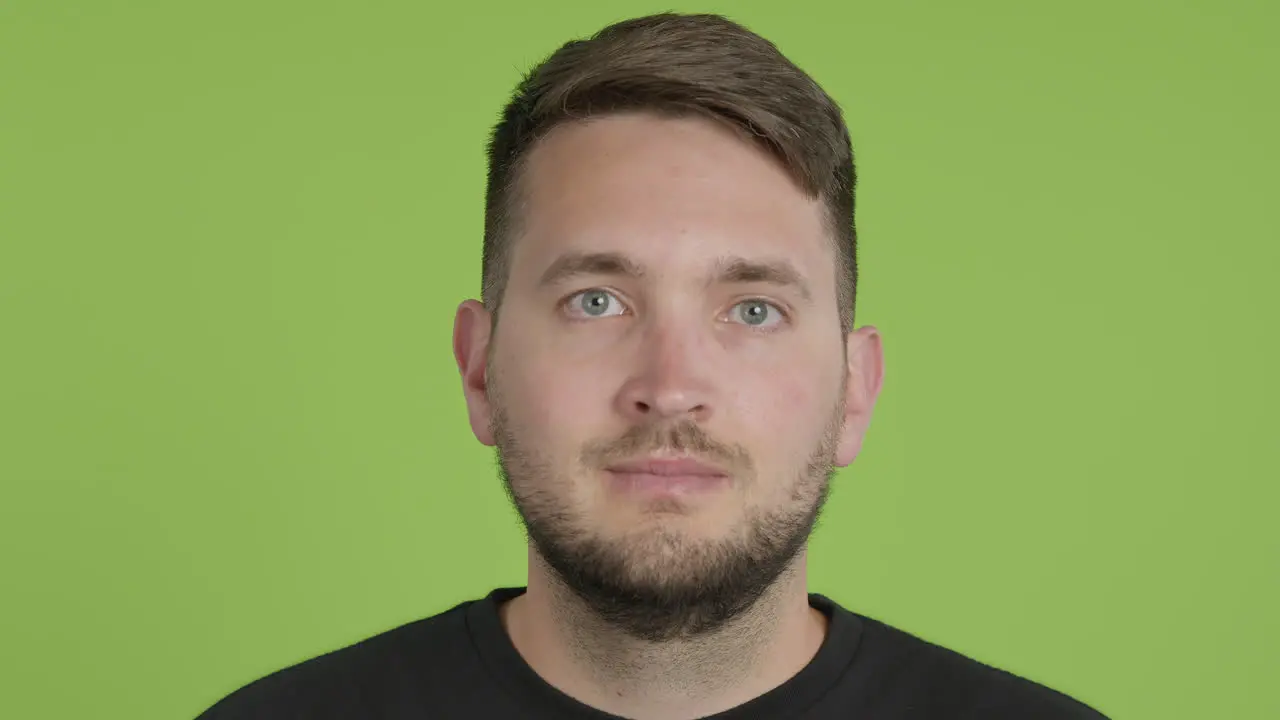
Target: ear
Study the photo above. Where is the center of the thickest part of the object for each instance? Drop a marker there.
(865, 370)
(472, 329)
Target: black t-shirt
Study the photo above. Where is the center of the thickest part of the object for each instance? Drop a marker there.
(461, 664)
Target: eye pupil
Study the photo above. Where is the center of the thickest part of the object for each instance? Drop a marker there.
(754, 313)
(595, 302)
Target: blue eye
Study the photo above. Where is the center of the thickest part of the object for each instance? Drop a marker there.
(756, 313)
(595, 303)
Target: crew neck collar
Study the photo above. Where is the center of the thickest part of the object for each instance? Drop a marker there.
(793, 697)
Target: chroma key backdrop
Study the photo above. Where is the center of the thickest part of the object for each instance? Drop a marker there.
(233, 235)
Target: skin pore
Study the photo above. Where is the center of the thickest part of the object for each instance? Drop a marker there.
(672, 294)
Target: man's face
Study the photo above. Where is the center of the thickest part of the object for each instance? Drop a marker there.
(666, 384)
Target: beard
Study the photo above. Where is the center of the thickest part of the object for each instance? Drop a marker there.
(658, 583)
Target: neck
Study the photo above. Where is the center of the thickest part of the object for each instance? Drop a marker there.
(576, 652)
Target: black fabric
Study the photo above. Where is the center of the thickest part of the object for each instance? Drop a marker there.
(461, 664)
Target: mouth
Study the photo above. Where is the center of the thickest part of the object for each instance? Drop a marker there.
(663, 475)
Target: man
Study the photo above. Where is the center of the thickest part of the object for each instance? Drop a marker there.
(665, 360)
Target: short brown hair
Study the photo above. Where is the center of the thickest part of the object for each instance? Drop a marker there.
(678, 64)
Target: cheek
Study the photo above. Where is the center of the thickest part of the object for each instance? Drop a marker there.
(784, 391)
(786, 407)
(554, 403)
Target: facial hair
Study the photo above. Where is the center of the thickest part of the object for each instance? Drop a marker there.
(664, 585)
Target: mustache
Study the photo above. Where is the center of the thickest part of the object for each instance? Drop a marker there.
(685, 437)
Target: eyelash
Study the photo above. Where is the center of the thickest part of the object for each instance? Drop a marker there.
(782, 311)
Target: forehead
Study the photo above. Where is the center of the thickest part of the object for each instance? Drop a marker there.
(672, 193)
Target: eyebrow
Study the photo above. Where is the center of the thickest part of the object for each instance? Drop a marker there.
(735, 270)
(728, 270)
(573, 264)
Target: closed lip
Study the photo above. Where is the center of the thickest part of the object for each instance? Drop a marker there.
(668, 467)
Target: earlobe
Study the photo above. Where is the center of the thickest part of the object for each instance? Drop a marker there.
(471, 337)
(865, 378)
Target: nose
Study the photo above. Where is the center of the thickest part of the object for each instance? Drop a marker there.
(670, 380)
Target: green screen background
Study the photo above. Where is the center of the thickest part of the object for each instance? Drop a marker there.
(233, 235)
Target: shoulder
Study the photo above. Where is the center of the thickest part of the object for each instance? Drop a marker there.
(946, 683)
(342, 683)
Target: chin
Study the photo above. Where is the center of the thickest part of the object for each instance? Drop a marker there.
(666, 529)
(667, 547)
